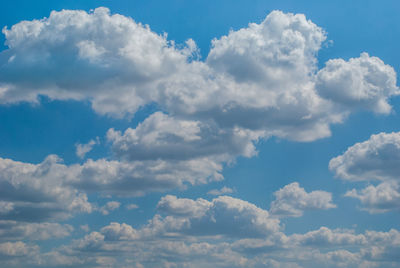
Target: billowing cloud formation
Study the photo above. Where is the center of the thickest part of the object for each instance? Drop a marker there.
(364, 82)
(153, 246)
(377, 199)
(163, 137)
(223, 215)
(376, 159)
(292, 201)
(37, 192)
(263, 77)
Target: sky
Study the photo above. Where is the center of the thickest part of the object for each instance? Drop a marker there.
(223, 133)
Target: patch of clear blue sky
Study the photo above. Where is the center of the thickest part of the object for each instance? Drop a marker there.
(29, 133)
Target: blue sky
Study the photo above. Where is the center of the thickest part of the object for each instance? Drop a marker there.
(199, 134)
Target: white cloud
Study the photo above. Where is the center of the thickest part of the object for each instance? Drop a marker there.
(14, 230)
(364, 82)
(292, 201)
(32, 192)
(223, 215)
(83, 149)
(16, 249)
(377, 158)
(223, 190)
(164, 137)
(109, 206)
(262, 77)
(377, 199)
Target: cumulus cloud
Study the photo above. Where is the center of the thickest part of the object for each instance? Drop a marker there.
(322, 247)
(223, 215)
(377, 199)
(17, 249)
(109, 206)
(14, 230)
(292, 200)
(376, 159)
(164, 137)
(223, 190)
(83, 149)
(263, 77)
(32, 192)
(364, 82)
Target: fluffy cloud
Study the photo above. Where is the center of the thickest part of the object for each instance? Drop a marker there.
(83, 149)
(262, 77)
(36, 192)
(13, 230)
(164, 137)
(364, 82)
(292, 201)
(376, 159)
(109, 206)
(380, 198)
(322, 247)
(223, 215)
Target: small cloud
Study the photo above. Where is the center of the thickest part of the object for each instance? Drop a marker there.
(85, 228)
(131, 206)
(109, 206)
(223, 190)
(83, 149)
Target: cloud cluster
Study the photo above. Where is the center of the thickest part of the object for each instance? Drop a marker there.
(263, 77)
(256, 82)
(376, 159)
(176, 240)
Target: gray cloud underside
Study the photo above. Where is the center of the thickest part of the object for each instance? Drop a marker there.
(197, 237)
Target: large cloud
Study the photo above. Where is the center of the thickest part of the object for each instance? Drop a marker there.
(262, 77)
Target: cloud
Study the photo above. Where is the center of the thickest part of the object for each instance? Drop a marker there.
(131, 206)
(260, 78)
(378, 199)
(292, 201)
(14, 230)
(38, 192)
(164, 137)
(16, 249)
(109, 206)
(83, 149)
(364, 82)
(223, 190)
(317, 248)
(377, 158)
(223, 215)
